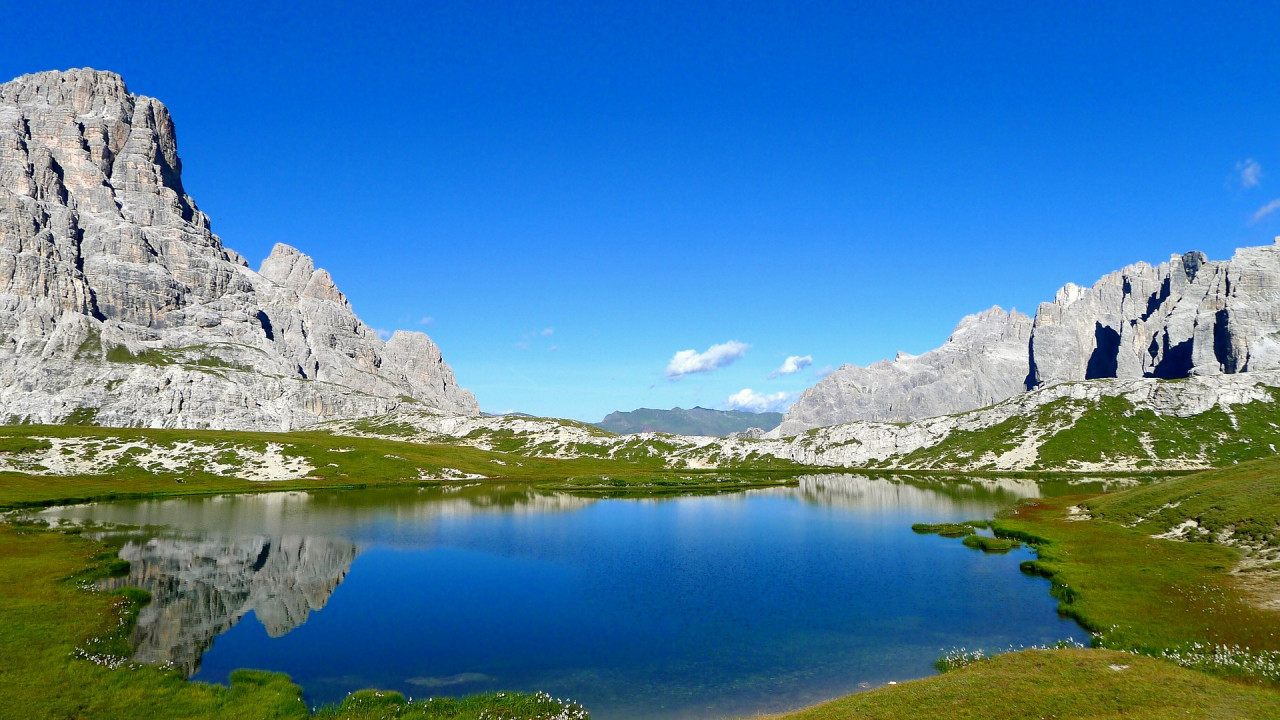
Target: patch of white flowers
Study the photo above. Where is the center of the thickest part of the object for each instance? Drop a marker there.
(1230, 659)
(957, 658)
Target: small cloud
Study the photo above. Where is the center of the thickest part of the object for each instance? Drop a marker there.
(752, 401)
(548, 332)
(1250, 172)
(1266, 210)
(686, 362)
(792, 365)
(553, 348)
(426, 320)
(823, 372)
(383, 335)
(522, 345)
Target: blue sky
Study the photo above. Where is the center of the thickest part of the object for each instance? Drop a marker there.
(573, 193)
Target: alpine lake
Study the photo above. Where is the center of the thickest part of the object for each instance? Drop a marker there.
(701, 606)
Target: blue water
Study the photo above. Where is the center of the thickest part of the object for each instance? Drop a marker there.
(689, 607)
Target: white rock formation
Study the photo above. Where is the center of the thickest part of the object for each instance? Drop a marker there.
(983, 362)
(1187, 317)
(118, 305)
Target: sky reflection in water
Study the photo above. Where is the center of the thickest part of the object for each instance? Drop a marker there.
(706, 606)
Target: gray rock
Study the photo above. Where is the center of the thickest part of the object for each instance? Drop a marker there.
(119, 305)
(1188, 317)
(983, 362)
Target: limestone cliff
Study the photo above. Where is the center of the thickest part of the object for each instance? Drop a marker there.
(983, 362)
(1187, 317)
(118, 304)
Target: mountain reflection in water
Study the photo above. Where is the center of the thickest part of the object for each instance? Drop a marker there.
(201, 588)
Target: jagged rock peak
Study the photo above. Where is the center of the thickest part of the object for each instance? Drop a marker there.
(289, 267)
(118, 304)
(1190, 316)
(1187, 316)
(983, 361)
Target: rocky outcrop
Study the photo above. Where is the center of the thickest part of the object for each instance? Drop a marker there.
(118, 304)
(984, 361)
(201, 588)
(1188, 317)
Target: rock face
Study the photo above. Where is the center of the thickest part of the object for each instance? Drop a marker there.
(1188, 317)
(983, 362)
(118, 305)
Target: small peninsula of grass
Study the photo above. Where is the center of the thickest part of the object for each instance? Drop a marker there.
(991, 544)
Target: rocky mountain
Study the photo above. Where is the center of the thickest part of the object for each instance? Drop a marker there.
(1187, 317)
(984, 361)
(118, 304)
(694, 421)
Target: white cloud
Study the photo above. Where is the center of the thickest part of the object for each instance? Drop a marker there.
(752, 401)
(383, 335)
(716, 356)
(1250, 172)
(825, 371)
(426, 320)
(547, 332)
(793, 364)
(1266, 210)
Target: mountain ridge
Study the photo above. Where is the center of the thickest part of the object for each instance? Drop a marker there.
(693, 421)
(1188, 317)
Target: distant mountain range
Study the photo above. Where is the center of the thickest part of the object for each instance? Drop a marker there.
(694, 421)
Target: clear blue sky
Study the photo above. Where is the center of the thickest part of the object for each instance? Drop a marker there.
(574, 192)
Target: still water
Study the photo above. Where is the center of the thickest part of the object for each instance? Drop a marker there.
(686, 607)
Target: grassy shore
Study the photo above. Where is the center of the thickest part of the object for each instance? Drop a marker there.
(1190, 635)
(1161, 596)
(1099, 684)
